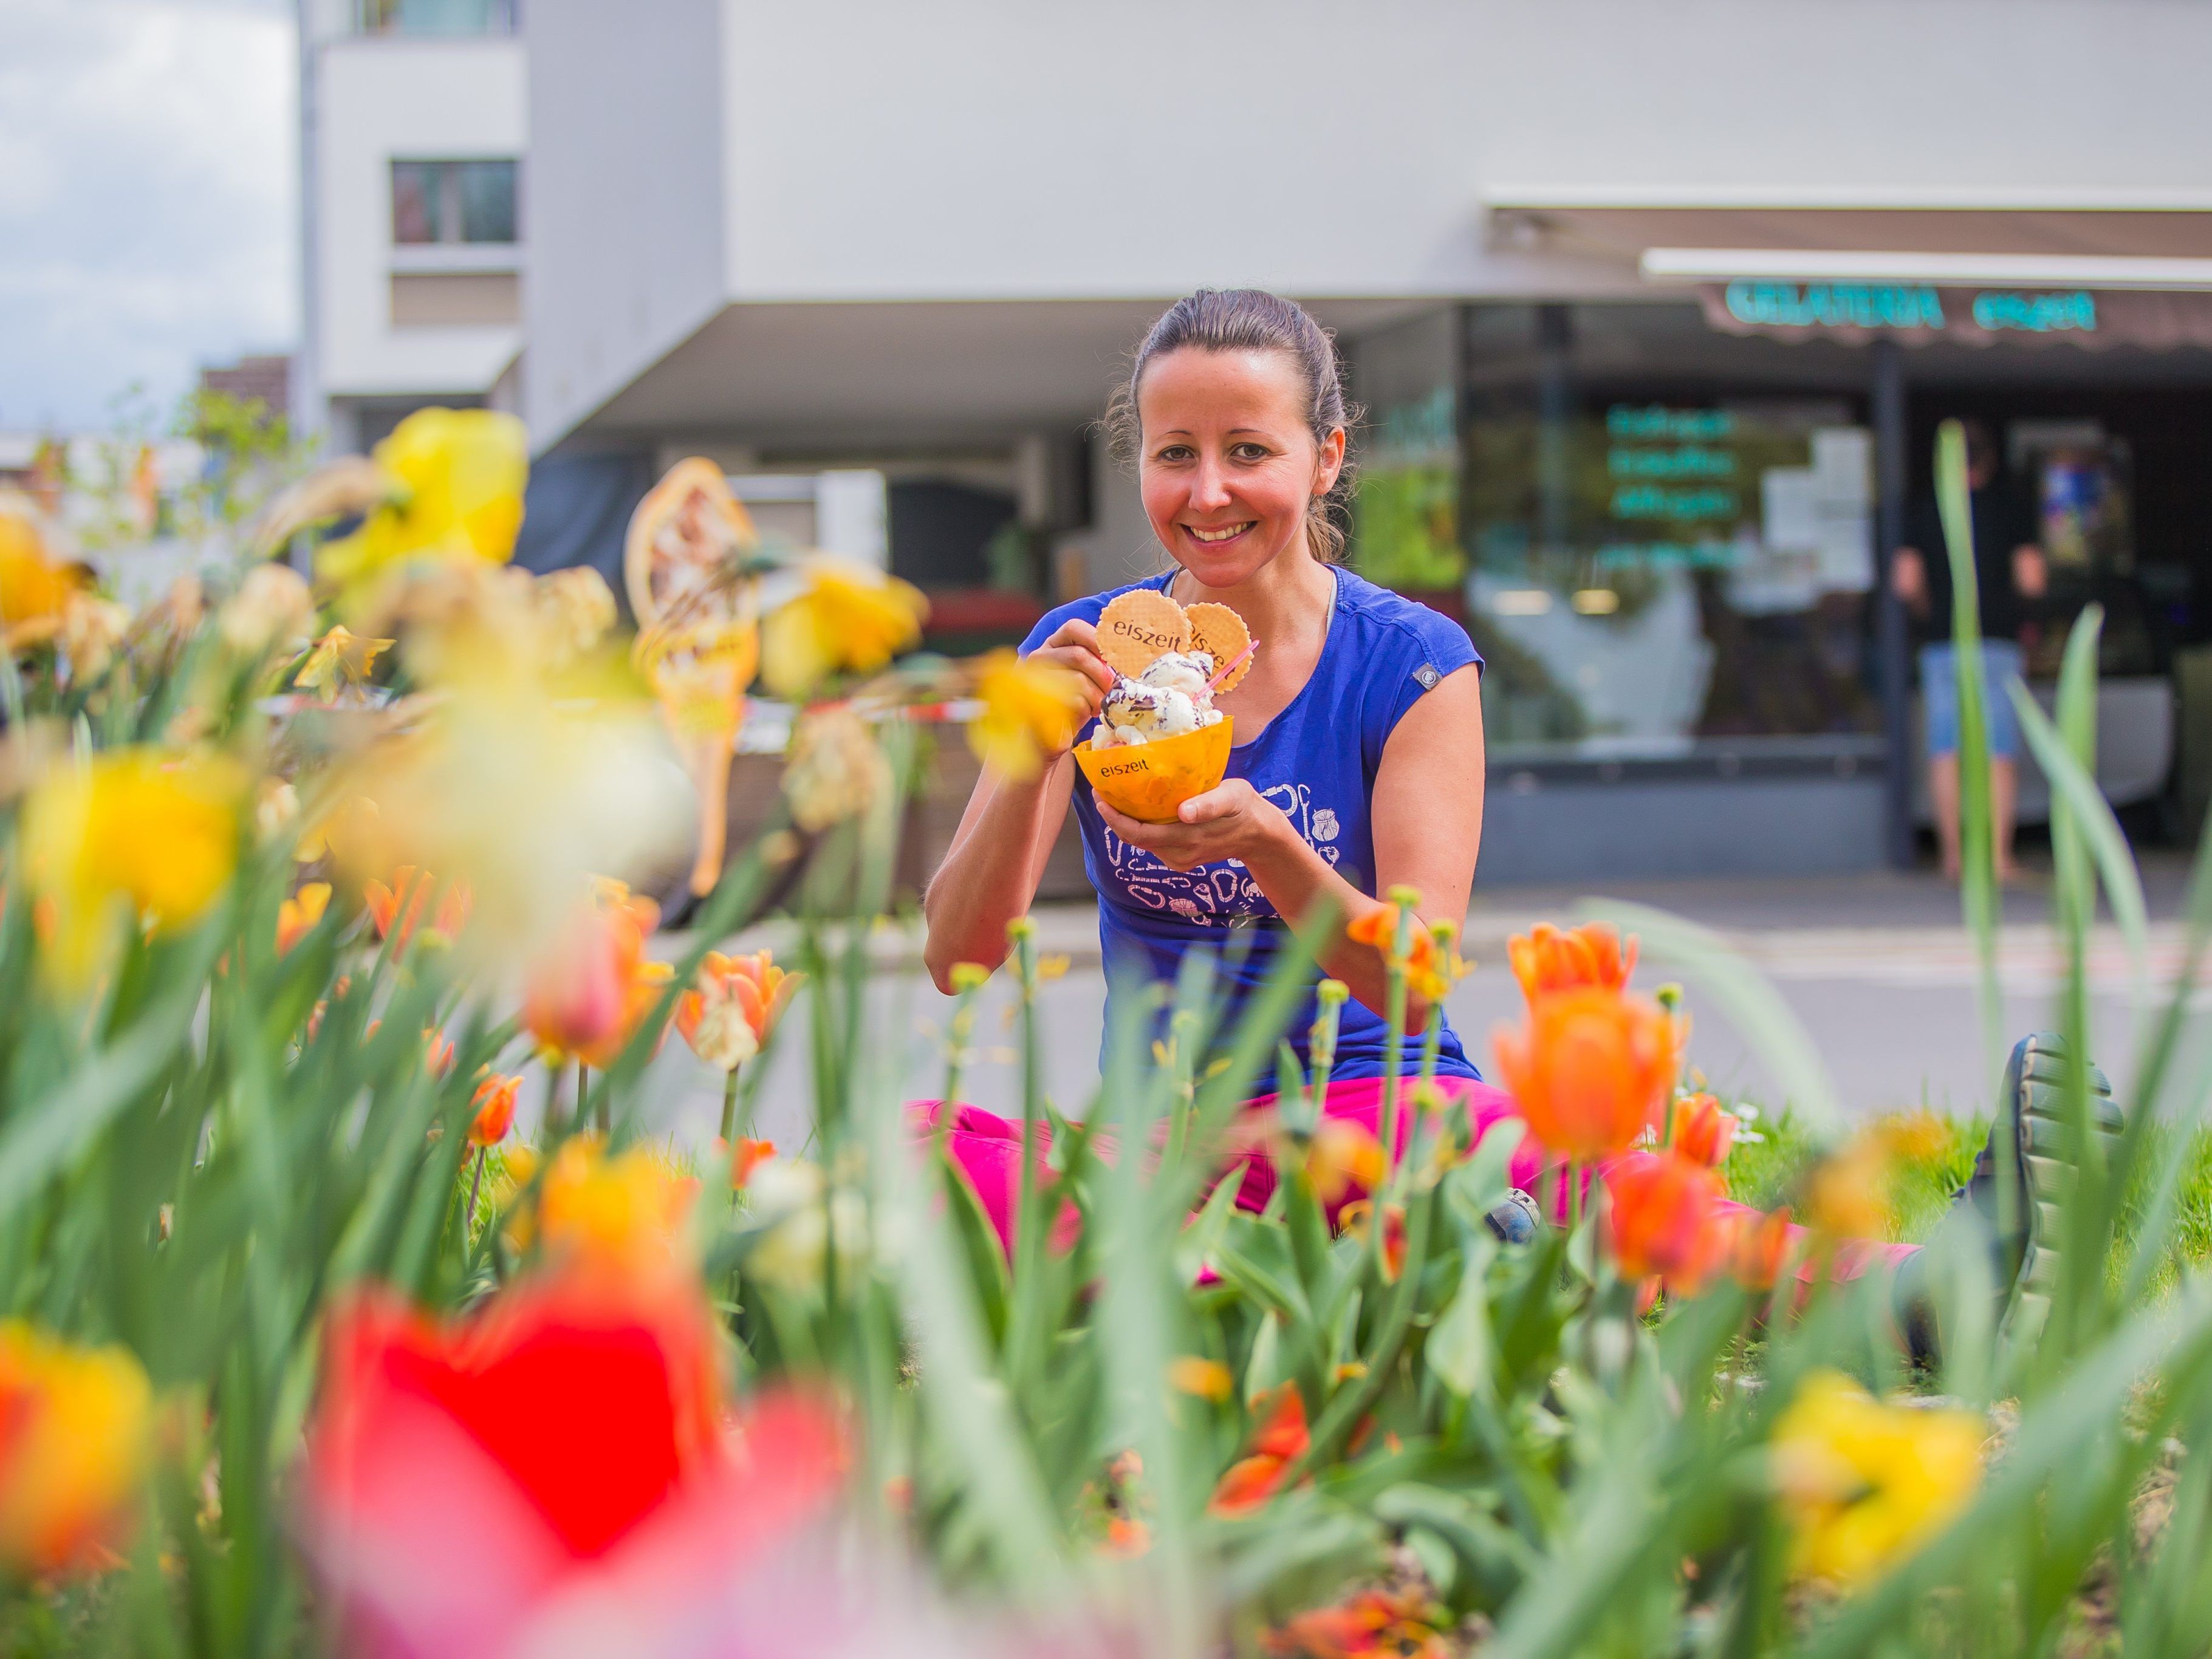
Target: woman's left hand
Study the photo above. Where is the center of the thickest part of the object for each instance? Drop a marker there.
(1230, 821)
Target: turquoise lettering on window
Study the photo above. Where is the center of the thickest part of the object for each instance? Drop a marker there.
(2037, 313)
(1673, 505)
(1657, 421)
(1834, 305)
(1688, 461)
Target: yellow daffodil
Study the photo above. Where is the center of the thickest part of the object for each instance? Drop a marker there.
(1031, 710)
(1193, 1374)
(271, 610)
(849, 619)
(340, 661)
(453, 481)
(73, 1453)
(835, 770)
(1864, 1483)
(34, 587)
(803, 1217)
(576, 609)
(148, 833)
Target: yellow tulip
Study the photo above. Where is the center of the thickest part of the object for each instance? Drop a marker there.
(1031, 709)
(849, 619)
(626, 1212)
(74, 1451)
(1864, 1483)
(298, 916)
(453, 480)
(148, 833)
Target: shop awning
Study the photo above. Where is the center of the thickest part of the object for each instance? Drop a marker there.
(2122, 270)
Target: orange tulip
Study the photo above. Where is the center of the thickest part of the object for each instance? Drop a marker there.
(1548, 958)
(1761, 1250)
(1592, 1069)
(400, 906)
(1400, 1623)
(1664, 1224)
(747, 1156)
(495, 1104)
(1343, 1156)
(737, 1000)
(595, 987)
(296, 917)
(1703, 1132)
(75, 1432)
(1379, 928)
(1281, 1440)
(1356, 1218)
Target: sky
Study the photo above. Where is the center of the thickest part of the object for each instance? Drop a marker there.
(148, 201)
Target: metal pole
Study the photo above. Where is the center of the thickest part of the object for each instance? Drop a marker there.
(1892, 656)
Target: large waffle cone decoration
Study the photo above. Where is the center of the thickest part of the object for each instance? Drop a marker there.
(1149, 781)
(698, 631)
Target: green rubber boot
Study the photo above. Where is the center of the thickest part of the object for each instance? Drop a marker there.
(2032, 1115)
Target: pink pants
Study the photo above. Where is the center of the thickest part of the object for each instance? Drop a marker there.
(988, 1149)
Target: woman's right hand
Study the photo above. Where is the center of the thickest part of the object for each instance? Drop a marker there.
(1074, 646)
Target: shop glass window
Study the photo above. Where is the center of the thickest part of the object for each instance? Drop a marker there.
(1661, 539)
(435, 16)
(434, 201)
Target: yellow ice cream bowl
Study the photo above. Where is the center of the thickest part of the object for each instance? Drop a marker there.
(1149, 781)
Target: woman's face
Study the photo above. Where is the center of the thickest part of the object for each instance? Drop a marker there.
(1228, 466)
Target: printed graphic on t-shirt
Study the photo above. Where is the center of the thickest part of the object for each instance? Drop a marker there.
(1217, 893)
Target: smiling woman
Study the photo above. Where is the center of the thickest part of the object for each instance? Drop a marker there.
(1356, 764)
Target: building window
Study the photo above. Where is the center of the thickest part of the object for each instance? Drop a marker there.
(434, 201)
(436, 16)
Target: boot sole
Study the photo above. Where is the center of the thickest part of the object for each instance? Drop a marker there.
(2034, 1093)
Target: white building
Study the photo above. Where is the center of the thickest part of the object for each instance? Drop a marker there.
(1655, 308)
(414, 121)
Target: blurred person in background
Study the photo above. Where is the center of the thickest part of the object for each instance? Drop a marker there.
(2009, 574)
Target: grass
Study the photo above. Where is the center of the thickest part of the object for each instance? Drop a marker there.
(1767, 1171)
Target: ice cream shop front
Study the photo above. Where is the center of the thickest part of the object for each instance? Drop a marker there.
(1665, 522)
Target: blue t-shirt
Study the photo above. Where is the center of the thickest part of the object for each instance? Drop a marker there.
(1316, 760)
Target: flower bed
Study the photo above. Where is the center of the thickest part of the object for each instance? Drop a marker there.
(311, 1346)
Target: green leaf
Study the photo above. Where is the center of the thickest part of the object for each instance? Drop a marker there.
(1459, 1349)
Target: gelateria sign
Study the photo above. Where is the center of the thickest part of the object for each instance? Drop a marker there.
(1923, 313)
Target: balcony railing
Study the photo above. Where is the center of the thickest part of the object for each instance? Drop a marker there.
(437, 17)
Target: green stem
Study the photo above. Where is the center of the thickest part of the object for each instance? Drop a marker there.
(730, 1108)
(476, 1186)
(1574, 1197)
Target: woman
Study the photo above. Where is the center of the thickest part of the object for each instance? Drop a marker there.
(1359, 766)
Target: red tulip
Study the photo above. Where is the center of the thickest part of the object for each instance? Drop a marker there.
(561, 1455)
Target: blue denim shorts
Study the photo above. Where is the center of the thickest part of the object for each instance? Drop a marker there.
(1939, 693)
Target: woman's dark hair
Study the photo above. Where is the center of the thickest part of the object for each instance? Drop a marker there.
(1253, 319)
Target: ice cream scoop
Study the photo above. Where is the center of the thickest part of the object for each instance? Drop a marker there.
(1188, 672)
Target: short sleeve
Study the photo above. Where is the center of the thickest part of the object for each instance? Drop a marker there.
(1049, 624)
(1428, 646)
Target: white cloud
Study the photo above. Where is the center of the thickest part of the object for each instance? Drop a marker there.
(148, 198)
